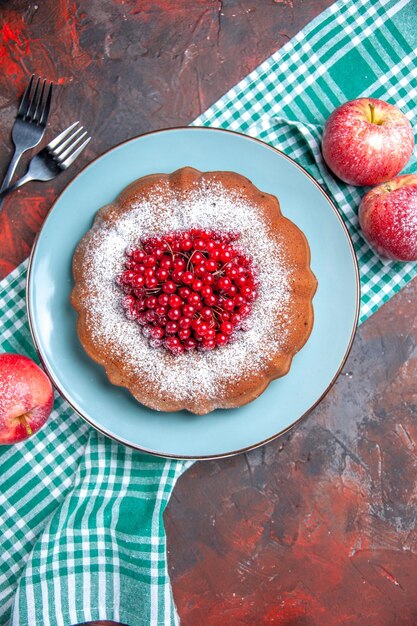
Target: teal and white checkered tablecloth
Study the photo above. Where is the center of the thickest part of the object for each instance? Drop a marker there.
(81, 529)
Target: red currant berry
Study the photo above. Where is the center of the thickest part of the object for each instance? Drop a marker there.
(226, 255)
(146, 330)
(193, 298)
(151, 282)
(232, 272)
(229, 304)
(162, 274)
(206, 291)
(177, 275)
(184, 333)
(149, 261)
(197, 258)
(171, 327)
(190, 344)
(138, 281)
(239, 299)
(151, 315)
(210, 265)
(184, 322)
(200, 270)
(221, 339)
(142, 318)
(175, 301)
(226, 328)
(246, 291)
(208, 344)
(206, 313)
(174, 345)
(179, 264)
(163, 299)
(174, 314)
(224, 283)
(188, 310)
(224, 316)
(128, 302)
(169, 287)
(151, 302)
(187, 278)
(157, 332)
(184, 292)
(244, 310)
(211, 300)
(127, 276)
(208, 279)
(161, 311)
(186, 244)
(235, 319)
(158, 253)
(138, 256)
(166, 262)
(203, 328)
(197, 284)
(199, 244)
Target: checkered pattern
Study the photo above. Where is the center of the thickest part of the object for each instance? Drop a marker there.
(354, 49)
(81, 530)
(82, 534)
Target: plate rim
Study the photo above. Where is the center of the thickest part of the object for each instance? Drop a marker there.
(231, 453)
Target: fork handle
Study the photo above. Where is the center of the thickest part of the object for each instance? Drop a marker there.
(22, 181)
(11, 169)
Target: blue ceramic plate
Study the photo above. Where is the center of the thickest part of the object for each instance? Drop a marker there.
(112, 410)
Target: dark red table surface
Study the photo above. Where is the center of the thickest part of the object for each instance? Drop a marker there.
(318, 528)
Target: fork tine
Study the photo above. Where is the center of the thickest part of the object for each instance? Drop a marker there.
(23, 107)
(59, 152)
(55, 142)
(74, 142)
(70, 160)
(47, 106)
(34, 100)
(37, 113)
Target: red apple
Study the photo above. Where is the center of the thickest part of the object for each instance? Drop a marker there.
(26, 398)
(388, 218)
(367, 141)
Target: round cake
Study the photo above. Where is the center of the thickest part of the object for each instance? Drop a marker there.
(193, 290)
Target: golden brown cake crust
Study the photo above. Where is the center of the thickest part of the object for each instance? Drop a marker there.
(302, 285)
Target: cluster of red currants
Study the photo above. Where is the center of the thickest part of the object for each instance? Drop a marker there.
(188, 289)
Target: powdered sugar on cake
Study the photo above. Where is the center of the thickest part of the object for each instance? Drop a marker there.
(192, 373)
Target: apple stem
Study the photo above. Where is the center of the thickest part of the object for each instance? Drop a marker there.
(388, 187)
(26, 424)
(372, 107)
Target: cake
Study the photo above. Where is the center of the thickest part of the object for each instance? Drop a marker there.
(193, 291)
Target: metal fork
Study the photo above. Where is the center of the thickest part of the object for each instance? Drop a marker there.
(30, 122)
(58, 155)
